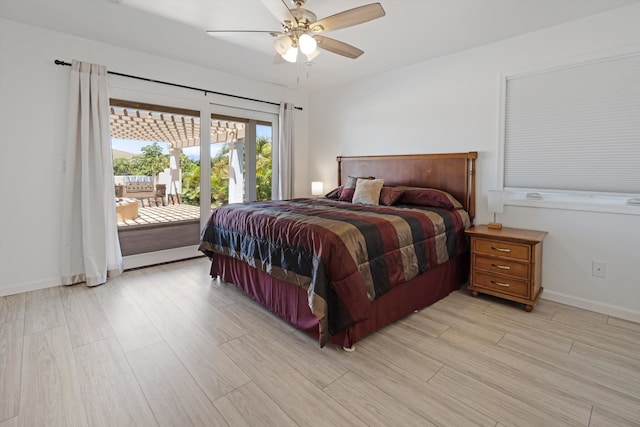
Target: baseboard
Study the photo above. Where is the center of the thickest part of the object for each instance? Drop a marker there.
(598, 307)
(158, 257)
(30, 286)
(129, 262)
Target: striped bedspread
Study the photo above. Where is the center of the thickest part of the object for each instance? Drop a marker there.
(344, 255)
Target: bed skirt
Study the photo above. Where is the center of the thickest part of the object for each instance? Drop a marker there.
(290, 302)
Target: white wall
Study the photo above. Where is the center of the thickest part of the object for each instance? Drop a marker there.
(33, 109)
(451, 104)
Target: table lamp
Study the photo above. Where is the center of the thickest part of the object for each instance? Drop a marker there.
(317, 188)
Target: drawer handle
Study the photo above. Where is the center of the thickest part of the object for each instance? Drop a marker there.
(500, 249)
(505, 285)
(504, 267)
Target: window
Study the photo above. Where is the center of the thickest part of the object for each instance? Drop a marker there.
(574, 129)
(241, 160)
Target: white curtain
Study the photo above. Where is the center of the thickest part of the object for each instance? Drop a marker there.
(285, 152)
(90, 247)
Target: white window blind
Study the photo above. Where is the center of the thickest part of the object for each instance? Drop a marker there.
(575, 128)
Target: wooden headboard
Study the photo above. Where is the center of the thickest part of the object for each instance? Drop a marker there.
(451, 172)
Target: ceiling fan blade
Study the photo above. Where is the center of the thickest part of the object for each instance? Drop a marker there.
(338, 47)
(280, 10)
(355, 16)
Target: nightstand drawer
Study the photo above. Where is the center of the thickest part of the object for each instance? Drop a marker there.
(502, 249)
(501, 284)
(501, 266)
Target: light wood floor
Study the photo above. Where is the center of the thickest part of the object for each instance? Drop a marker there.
(167, 346)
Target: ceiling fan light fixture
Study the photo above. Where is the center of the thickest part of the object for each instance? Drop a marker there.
(291, 55)
(307, 44)
(312, 55)
(282, 45)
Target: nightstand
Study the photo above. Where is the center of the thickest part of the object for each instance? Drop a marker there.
(507, 263)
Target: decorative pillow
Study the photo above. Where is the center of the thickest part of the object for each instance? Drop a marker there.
(334, 194)
(390, 195)
(346, 195)
(428, 197)
(352, 180)
(367, 191)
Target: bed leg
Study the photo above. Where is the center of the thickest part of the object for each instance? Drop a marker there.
(349, 349)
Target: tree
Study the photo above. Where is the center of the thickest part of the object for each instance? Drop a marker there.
(220, 177)
(151, 162)
(191, 185)
(220, 173)
(263, 169)
(122, 166)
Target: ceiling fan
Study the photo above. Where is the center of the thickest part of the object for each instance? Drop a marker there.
(301, 29)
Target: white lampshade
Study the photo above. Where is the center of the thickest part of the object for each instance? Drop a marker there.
(282, 44)
(312, 55)
(307, 44)
(495, 201)
(317, 188)
(291, 55)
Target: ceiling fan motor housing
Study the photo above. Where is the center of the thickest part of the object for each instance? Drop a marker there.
(304, 17)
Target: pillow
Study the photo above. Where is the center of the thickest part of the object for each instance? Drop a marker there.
(334, 194)
(367, 191)
(428, 197)
(390, 195)
(352, 180)
(346, 195)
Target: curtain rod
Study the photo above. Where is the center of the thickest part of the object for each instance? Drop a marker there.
(58, 62)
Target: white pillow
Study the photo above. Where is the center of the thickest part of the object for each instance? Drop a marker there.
(367, 191)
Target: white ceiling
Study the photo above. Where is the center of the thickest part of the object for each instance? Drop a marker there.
(412, 31)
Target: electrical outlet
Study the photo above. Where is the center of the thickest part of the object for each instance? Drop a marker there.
(598, 269)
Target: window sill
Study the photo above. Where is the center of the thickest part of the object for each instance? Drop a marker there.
(589, 203)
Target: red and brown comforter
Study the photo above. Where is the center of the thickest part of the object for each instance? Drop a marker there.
(344, 255)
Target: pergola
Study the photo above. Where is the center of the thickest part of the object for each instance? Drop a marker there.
(179, 130)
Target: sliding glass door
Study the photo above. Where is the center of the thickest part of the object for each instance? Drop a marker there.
(156, 158)
(163, 165)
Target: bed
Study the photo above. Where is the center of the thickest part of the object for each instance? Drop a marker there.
(340, 270)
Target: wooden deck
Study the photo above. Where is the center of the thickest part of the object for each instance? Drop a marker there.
(159, 228)
(162, 214)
